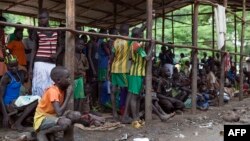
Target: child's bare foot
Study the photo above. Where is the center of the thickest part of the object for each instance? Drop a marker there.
(167, 116)
(126, 120)
(115, 116)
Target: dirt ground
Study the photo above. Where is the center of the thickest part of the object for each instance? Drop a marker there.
(203, 126)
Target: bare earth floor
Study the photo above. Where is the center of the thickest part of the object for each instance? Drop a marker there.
(204, 126)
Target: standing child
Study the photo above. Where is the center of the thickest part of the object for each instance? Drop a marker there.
(136, 76)
(81, 66)
(50, 113)
(17, 48)
(103, 59)
(119, 68)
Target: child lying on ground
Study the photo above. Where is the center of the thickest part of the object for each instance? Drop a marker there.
(50, 116)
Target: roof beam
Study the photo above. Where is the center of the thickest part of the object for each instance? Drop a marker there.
(15, 3)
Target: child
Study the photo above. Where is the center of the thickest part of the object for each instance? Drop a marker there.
(81, 66)
(50, 113)
(137, 73)
(17, 48)
(119, 68)
(9, 94)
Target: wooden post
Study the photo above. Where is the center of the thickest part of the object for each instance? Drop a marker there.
(115, 13)
(222, 69)
(163, 22)
(34, 21)
(155, 28)
(235, 41)
(70, 44)
(172, 16)
(195, 52)
(148, 97)
(40, 5)
(213, 39)
(242, 47)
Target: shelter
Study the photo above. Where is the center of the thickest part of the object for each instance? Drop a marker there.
(104, 13)
(109, 13)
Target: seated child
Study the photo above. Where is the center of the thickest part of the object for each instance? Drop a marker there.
(50, 113)
(11, 101)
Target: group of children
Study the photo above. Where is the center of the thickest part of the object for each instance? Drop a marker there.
(97, 62)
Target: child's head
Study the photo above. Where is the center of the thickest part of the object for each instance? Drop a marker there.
(124, 30)
(60, 75)
(79, 44)
(12, 63)
(136, 32)
(43, 18)
(18, 34)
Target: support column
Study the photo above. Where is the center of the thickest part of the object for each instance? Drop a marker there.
(70, 44)
(155, 29)
(115, 13)
(172, 16)
(163, 22)
(235, 40)
(222, 69)
(40, 5)
(194, 55)
(148, 97)
(213, 30)
(242, 47)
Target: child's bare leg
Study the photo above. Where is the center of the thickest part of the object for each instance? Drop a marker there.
(114, 89)
(133, 106)
(18, 124)
(69, 134)
(74, 116)
(125, 117)
(76, 104)
(99, 91)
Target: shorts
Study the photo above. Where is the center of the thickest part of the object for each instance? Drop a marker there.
(102, 74)
(48, 122)
(79, 88)
(119, 79)
(135, 84)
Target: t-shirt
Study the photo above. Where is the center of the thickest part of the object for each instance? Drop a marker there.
(81, 64)
(45, 106)
(17, 49)
(121, 52)
(138, 56)
(103, 57)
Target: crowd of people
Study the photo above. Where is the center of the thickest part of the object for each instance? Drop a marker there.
(108, 73)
